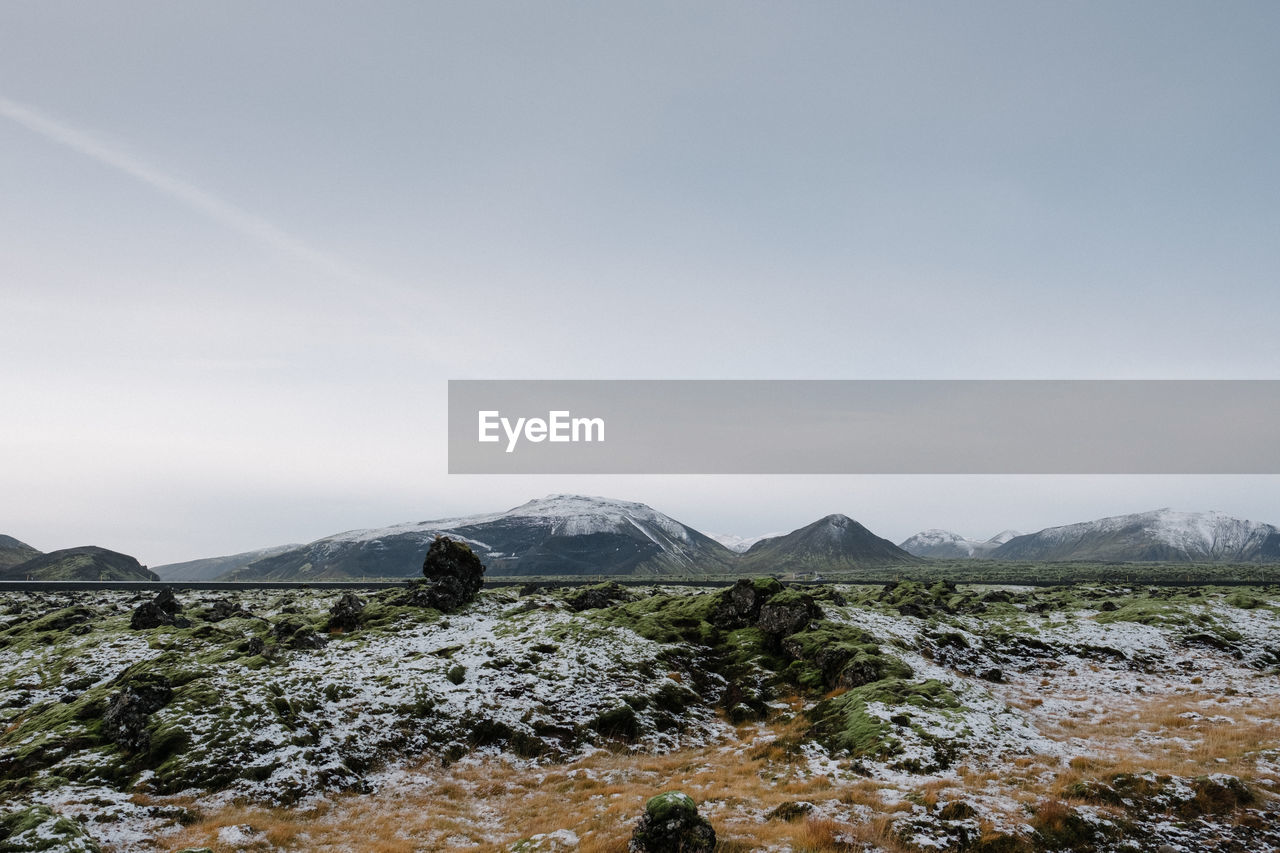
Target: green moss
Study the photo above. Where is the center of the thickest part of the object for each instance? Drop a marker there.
(1247, 601)
(669, 618)
(767, 586)
(1145, 611)
(39, 828)
(843, 723)
(789, 597)
(671, 805)
(380, 614)
(751, 646)
(829, 654)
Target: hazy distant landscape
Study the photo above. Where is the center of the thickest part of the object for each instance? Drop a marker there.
(574, 535)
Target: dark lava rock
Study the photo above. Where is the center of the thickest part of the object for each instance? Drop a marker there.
(671, 824)
(1108, 607)
(740, 604)
(599, 595)
(128, 711)
(454, 574)
(167, 601)
(225, 608)
(787, 612)
(346, 613)
(859, 671)
(618, 722)
(293, 633)
(164, 609)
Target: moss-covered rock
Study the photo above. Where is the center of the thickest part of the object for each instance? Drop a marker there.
(844, 722)
(452, 573)
(39, 828)
(671, 824)
(347, 613)
(596, 596)
(620, 722)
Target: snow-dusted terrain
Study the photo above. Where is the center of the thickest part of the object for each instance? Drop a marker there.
(1142, 717)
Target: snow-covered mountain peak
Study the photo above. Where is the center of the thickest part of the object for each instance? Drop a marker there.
(741, 544)
(566, 515)
(1161, 534)
(935, 536)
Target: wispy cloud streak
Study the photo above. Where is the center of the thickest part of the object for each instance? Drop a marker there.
(229, 215)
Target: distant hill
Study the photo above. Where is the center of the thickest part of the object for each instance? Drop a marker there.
(13, 552)
(210, 568)
(556, 535)
(830, 544)
(1161, 535)
(88, 563)
(945, 545)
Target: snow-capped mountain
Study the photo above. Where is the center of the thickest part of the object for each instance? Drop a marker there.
(943, 544)
(1003, 536)
(833, 543)
(213, 567)
(559, 534)
(1160, 535)
(740, 544)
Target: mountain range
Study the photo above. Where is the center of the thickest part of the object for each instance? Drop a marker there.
(1162, 535)
(575, 534)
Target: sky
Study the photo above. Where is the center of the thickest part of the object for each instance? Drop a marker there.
(244, 246)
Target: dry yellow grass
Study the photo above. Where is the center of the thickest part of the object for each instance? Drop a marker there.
(488, 804)
(493, 803)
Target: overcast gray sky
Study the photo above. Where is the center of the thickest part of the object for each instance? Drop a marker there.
(243, 245)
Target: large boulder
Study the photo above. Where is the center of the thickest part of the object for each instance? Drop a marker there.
(788, 612)
(671, 824)
(293, 632)
(164, 609)
(346, 613)
(739, 605)
(453, 575)
(130, 709)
